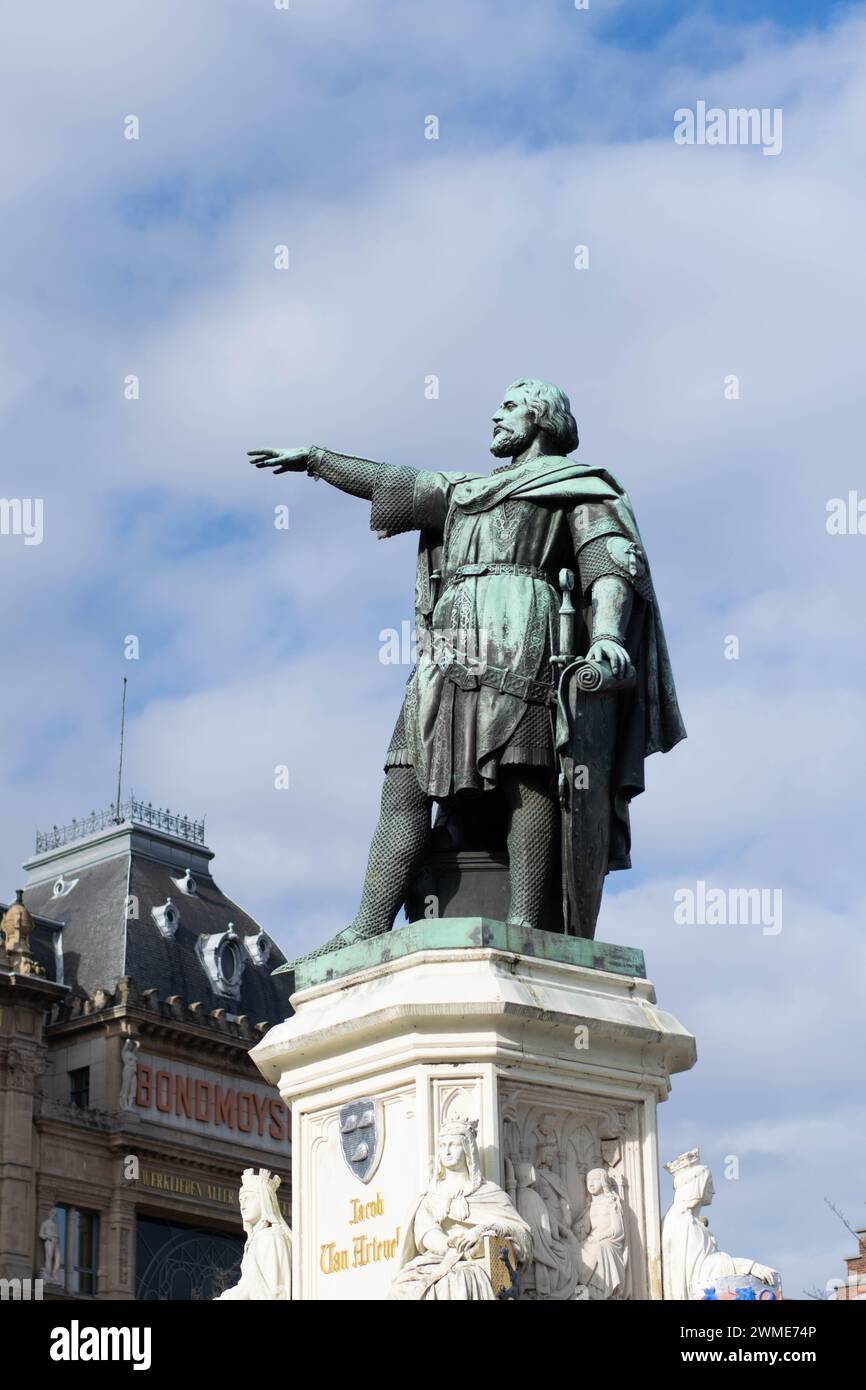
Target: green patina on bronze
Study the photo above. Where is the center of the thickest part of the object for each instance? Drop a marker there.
(542, 680)
(459, 933)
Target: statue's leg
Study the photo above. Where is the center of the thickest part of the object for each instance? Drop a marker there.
(399, 842)
(398, 845)
(533, 830)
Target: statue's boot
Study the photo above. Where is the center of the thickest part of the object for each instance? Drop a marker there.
(400, 840)
(347, 937)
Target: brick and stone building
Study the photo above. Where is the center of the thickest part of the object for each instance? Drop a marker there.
(131, 990)
(855, 1284)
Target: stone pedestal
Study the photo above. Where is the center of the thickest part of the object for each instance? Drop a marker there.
(553, 1044)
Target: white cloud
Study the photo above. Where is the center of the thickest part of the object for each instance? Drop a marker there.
(451, 257)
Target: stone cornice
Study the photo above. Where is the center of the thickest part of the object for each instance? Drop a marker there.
(33, 988)
(171, 1019)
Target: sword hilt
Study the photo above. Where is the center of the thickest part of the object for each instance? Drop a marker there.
(566, 620)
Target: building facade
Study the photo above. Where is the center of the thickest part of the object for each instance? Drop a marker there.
(131, 990)
(855, 1283)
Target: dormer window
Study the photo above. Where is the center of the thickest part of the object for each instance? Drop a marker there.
(186, 885)
(230, 962)
(167, 918)
(259, 947)
(222, 956)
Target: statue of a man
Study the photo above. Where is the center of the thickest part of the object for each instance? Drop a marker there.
(443, 1254)
(480, 710)
(49, 1234)
(691, 1258)
(266, 1266)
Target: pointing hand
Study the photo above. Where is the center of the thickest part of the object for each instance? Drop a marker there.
(281, 460)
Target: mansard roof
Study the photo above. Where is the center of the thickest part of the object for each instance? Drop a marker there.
(133, 895)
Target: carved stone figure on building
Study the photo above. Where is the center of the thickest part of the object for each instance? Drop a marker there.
(16, 927)
(516, 691)
(691, 1258)
(602, 1232)
(457, 1226)
(17, 924)
(266, 1266)
(52, 1259)
(129, 1057)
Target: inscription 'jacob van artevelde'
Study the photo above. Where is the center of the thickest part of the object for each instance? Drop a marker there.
(364, 1249)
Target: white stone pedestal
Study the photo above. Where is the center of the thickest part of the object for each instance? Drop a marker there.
(555, 1045)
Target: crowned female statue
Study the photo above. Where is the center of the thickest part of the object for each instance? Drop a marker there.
(444, 1254)
(266, 1266)
(691, 1258)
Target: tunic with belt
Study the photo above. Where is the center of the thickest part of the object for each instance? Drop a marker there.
(487, 607)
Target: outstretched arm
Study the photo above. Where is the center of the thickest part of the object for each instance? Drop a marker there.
(353, 475)
(390, 488)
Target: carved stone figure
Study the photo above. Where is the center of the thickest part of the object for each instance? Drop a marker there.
(16, 928)
(517, 690)
(549, 1181)
(49, 1234)
(446, 1248)
(555, 1270)
(129, 1056)
(562, 1170)
(602, 1230)
(691, 1258)
(266, 1266)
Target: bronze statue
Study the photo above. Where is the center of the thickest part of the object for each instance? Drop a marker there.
(542, 672)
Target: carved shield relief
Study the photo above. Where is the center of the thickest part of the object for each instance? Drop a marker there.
(362, 1136)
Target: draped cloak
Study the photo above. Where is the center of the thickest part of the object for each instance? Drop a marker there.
(604, 1252)
(691, 1257)
(540, 514)
(425, 1275)
(266, 1265)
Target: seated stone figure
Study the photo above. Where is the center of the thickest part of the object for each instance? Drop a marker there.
(691, 1258)
(443, 1254)
(266, 1267)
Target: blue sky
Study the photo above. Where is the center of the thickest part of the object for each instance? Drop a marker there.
(646, 25)
(455, 257)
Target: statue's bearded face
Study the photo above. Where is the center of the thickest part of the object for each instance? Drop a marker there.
(514, 426)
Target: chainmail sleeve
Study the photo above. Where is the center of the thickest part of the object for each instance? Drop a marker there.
(613, 555)
(390, 489)
(353, 475)
(393, 509)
